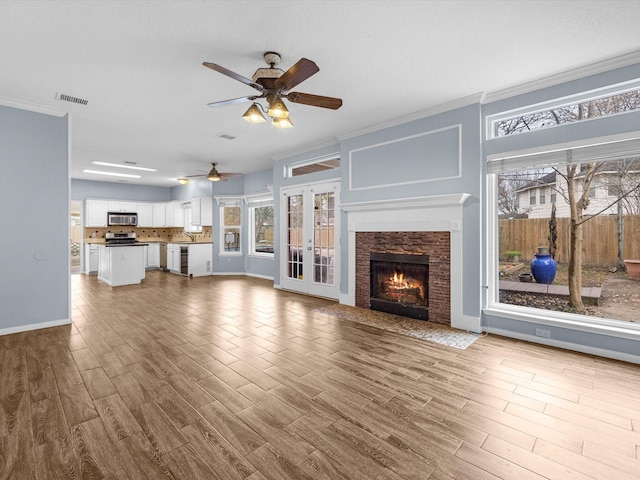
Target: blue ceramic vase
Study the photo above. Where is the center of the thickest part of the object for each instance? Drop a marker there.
(543, 268)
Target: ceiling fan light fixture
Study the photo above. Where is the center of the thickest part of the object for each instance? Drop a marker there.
(254, 114)
(183, 181)
(214, 177)
(282, 123)
(277, 108)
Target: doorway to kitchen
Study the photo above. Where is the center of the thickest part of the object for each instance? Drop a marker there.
(309, 239)
(75, 236)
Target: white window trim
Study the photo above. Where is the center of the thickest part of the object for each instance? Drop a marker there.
(288, 169)
(253, 204)
(229, 202)
(619, 147)
(610, 90)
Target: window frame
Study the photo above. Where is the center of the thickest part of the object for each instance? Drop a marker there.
(619, 146)
(252, 205)
(221, 234)
(492, 121)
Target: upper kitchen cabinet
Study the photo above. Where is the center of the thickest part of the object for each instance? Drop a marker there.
(178, 215)
(159, 214)
(202, 211)
(120, 206)
(145, 214)
(95, 213)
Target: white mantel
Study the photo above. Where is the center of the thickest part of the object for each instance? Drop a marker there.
(437, 213)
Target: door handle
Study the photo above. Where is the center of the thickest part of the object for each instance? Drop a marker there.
(308, 248)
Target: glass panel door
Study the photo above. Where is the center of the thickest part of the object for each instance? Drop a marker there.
(310, 237)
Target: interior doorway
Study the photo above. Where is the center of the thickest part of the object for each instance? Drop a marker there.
(75, 236)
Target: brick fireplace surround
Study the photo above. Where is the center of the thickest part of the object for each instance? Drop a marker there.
(425, 221)
(434, 244)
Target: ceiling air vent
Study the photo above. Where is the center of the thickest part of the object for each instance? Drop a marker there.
(68, 98)
(226, 136)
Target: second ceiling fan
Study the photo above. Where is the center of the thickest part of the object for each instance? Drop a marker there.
(274, 85)
(214, 175)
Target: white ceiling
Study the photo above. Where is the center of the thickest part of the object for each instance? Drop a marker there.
(139, 64)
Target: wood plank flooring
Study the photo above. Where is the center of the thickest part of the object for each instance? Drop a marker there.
(227, 378)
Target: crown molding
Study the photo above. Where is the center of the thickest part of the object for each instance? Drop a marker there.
(32, 107)
(431, 111)
(307, 149)
(568, 76)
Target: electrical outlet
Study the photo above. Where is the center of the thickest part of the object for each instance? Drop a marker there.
(541, 332)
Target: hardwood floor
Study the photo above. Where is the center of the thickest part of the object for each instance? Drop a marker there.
(227, 378)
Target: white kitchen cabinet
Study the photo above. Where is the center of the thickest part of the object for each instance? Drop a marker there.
(121, 265)
(159, 214)
(202, 211)
(122, 206)
(173, 257)
(200, 259)
(178, 215)
(145, 214)
(95, 213)
(153, 255)
(168, 214)
(90, 258)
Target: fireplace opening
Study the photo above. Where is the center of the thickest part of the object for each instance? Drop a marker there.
(400, 284)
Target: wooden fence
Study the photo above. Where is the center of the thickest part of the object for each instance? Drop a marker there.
(600, 245)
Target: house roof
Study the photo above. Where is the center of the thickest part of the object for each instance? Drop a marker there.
(139, 65)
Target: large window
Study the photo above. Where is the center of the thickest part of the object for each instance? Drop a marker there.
(231, 225)
(546, 235)
(261, 227)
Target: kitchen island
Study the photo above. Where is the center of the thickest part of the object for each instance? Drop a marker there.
(121, 264)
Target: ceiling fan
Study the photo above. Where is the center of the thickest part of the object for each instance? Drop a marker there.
(212, 176)
(274, 85)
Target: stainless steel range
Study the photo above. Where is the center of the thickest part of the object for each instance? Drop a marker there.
(120, 238)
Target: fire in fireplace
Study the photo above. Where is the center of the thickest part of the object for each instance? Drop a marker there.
(400, 284)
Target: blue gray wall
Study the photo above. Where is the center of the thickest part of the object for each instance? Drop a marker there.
(82, 189)
(34, 285)
(435, 155)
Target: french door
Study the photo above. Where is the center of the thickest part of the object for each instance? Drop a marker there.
(310, 239)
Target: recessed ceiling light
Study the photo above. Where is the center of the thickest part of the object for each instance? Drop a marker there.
(98, 172)
(107, 164)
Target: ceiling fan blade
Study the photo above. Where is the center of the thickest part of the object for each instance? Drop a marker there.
(232, 101)
(229, 175)
(234, 75)
(315, 100)
(194, 176)
(298, 73)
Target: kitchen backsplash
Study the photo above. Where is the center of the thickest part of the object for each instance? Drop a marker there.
(150, 234)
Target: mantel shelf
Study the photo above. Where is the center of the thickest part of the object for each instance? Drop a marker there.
(434, 201)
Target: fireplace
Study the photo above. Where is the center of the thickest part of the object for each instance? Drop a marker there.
(432, 226)
(399, 284)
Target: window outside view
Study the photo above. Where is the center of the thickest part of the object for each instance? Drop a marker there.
(569, 238)
(262, 229)
(572, 113)
(231, 217)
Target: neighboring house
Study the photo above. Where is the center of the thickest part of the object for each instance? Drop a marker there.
(536, 198)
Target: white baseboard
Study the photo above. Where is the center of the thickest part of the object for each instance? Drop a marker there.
(255, 275)
(576, 347)
(34, 326)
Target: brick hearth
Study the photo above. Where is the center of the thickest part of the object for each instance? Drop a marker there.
(434, 244)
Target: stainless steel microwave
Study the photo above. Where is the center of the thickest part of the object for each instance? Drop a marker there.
(122, 219)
